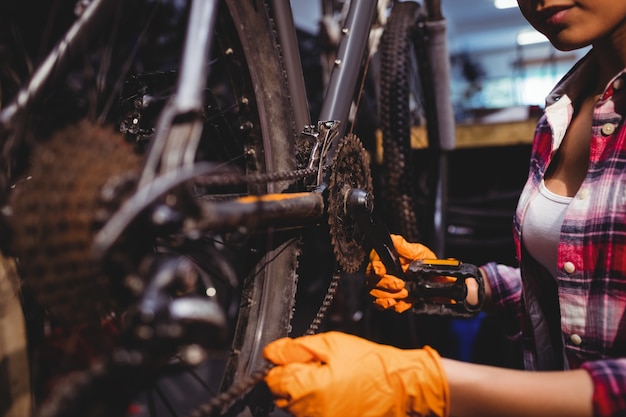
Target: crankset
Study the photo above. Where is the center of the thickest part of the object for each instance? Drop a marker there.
(436, 286)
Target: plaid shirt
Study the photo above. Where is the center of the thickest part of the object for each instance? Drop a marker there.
(591, 278)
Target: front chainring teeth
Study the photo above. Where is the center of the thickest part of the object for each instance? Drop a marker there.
(56, 212)
(351, 169)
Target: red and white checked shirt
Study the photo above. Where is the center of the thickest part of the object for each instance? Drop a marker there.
(591, 278)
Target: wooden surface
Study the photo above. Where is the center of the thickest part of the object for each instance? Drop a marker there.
(476, 135)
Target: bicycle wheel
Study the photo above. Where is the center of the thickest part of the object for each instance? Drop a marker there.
(247, 123)
(400, 108)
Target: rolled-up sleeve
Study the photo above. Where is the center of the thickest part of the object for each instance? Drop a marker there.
(609, 381)
(506, 295)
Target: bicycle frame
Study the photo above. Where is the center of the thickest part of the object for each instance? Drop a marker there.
(175, 141)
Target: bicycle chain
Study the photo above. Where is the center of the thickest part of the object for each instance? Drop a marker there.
(225, 400)
(326, 303)
(237, 179)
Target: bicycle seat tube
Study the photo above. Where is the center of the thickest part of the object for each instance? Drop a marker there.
(345, 72)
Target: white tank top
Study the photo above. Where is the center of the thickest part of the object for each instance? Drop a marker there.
(542, 226)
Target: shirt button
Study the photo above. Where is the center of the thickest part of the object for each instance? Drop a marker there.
(569, 267)
(608, 129)
(582, 194)
(576, 339)
(619, 83)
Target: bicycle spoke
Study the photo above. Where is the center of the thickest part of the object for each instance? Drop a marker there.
(164, 400)
(192, 372)
(117, 85)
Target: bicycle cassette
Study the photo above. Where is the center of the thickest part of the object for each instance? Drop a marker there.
(350, 169)
(57, 210)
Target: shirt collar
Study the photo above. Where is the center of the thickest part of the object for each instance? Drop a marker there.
(572, 84)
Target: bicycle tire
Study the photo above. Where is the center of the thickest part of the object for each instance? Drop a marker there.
(273, 288)
(264, 113)
(400, 101)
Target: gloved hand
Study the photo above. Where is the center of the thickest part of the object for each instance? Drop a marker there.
(336, 374)
(388, 291)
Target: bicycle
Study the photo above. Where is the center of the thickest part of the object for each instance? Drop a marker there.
(197, 216)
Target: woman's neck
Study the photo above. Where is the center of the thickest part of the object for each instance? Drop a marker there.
(610, 55)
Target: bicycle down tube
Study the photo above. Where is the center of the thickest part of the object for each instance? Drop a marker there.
(345, 72)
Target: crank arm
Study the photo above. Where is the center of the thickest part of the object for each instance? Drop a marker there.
(435, 286)
(360, 205)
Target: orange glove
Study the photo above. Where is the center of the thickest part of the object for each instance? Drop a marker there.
(387, 290)
(336, 374)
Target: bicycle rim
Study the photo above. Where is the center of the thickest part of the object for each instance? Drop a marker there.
(253, 128)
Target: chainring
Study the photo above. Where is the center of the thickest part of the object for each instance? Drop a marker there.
(350, 169)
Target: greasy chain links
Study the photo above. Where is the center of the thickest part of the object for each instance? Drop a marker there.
(219, 404)
(236, 179)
